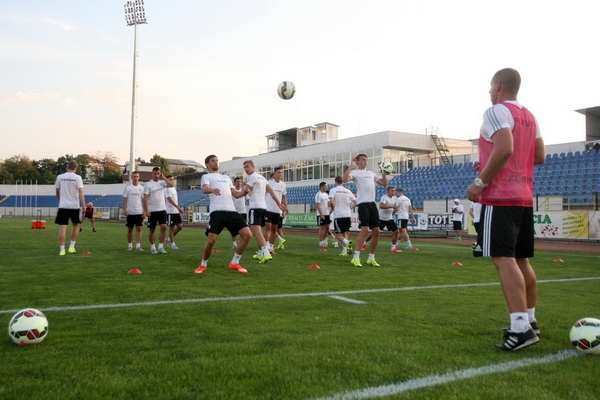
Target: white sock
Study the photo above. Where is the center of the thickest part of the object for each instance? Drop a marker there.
(137, 245)
(62, 248)
(531, 314)
(357, 254)
(161, 246)
(408, 243)
(72, 244)
(345, 241)
(264, 251)
(519, 322)
(236, 259)
(371, 256)
(393, 247)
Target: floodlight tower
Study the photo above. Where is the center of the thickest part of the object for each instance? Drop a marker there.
(134, 15)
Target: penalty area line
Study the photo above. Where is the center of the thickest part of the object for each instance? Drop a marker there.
(458, 375)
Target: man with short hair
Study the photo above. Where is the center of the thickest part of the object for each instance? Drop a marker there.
(240, 206)
(342, 200)
(69, 191)
(173, 214)
(510, 144)
(88, 213)
(368, 214)
(257, 187)
(323, 211)
(155, 208)
(274, 213)
(134, 211)
(223, 215)
(404, 212)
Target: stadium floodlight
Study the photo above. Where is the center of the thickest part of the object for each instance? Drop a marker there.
(134, 15)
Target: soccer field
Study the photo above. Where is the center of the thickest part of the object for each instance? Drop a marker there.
(417, 327)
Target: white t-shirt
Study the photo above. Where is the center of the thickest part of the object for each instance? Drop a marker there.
(239, 203)
(476, 207)
(386, 214)
(457, 216)
(156, 195)
(280, 190)
(257, 194)
(365, 181)
(69, 184)
(172, 193)
(404, 207)
(342, 198)
(134, 194)
(322, 201)
(224, 201)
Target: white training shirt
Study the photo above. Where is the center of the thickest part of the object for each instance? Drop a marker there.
(457, 216)
(404, 207)
(476, 207)
(257, 194)
(386, 214)
(134, 195)
(365, 181)
(239, 202)
(69, 184)
(280, 190)
(172, 193)
(342, 198)
(322, 199)
(156, 195)
(224, 201)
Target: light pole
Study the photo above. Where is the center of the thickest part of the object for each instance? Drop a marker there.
(134, 15)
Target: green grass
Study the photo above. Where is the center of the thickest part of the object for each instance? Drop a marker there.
(276, 333)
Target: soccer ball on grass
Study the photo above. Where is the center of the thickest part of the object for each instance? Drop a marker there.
(386, 168)
(28, 326)
(585, 335)
(286, 90)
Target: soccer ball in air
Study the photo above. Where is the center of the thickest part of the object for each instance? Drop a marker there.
(28, 326)
(585, 335)
(386, 168)
(286, 90)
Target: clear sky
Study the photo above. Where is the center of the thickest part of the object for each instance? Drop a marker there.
(208, 71)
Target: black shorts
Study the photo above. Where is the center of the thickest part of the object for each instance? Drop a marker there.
(244, 217)
(342, 225)
(257, 216)
(231, 220)
(64, 215)
(403, 223)
(457, 225)
(325, 221)
(174, 219)
(134, 220)
(157, 218)
(368, 215)
(389, 224)
(506, 232)
(273, 218)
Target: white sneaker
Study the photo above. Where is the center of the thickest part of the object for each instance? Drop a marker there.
(162, 250)
(174, 246)
(153, 250)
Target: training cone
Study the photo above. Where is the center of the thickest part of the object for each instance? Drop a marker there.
(215, 251)
(323, 249)
(558, 260)
(87, 252)
(314, 266)
(134, 271)
(415, 249)
(456, 264)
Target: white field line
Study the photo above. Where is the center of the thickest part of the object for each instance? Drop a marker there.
(285, 295)
(458, 375)
(348, 300)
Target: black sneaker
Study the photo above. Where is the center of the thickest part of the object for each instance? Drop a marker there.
(516, 341)
(534, 325)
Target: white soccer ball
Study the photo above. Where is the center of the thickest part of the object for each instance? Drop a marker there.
(585, 335)
(286, 90)
(28, 326)
(386, 168)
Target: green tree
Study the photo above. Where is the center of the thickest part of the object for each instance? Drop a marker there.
(164, 164)
(46, 168)
(21, 168)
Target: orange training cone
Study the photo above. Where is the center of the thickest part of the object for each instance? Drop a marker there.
(215, 251)
(323, 249)
(558, 260)
(457, 264)
(87, 252)
(134, 271)
(314, 266)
